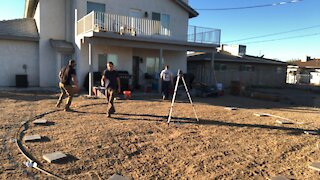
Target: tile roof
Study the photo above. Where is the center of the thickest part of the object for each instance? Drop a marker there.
(224, 57)
(189, 9)
(20, 28)
(31, 5)
(314, 63)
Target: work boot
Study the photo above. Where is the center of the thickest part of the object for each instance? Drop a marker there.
(68, 110)
(58, 105)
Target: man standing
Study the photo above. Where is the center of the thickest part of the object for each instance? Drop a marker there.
(110, 79)
(66, 75)
(166, 80)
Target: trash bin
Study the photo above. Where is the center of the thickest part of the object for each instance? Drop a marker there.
(124, 80)
(22, 80)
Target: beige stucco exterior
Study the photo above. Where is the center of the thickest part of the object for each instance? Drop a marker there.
(57, 19)
(14, 55)
(178, 16)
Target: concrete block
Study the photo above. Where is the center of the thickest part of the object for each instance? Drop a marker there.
(283, 122)
(32, 138)
(231, 108)
(54, 156)
(311, 132)
(40, 121)
(118, 177)
(315, 166)
(261, 114)
(279, 178)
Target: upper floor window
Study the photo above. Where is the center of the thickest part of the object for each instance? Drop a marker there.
(246, 68)
(164, 21)
(97, 7)
(220, 67)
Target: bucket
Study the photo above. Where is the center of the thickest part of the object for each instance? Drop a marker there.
(127, 94)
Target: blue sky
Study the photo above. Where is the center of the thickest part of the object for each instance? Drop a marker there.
(246, 23)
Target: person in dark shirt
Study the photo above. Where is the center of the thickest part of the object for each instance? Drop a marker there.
(110, 79)
(68, 84)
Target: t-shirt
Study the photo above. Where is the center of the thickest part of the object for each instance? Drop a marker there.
(67, 73)
(111, 77)
(166, 75)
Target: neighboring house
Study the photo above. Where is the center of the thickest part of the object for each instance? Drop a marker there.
(232, 64)
(19, 51)
(304, 71)
(138, 36)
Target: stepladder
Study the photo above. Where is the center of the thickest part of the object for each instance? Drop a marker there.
(181, 77)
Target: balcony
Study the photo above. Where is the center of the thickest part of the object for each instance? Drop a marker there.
(131, 26)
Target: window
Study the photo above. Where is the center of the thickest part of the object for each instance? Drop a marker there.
(65, 59)
(97, 7)
(246, 68)
(104, 58)
(164, 22)
(156, 16)
(152, 64)
(279, 70)
(220, 67)
(102, 62)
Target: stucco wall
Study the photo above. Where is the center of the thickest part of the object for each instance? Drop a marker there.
(124, 59)
(175, 59)
(178, 16)
(13, 55)
(51, 26)
(263, 75)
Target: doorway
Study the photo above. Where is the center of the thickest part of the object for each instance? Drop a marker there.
(135, 72)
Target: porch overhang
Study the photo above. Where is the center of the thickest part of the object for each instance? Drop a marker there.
(62, 46)
(115, 39)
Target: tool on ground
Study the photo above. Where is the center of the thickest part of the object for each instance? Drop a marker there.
(180, 76)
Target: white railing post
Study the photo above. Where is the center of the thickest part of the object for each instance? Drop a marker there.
(195, 33)
(93, 23)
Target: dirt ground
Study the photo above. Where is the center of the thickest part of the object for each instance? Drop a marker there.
(137, 143)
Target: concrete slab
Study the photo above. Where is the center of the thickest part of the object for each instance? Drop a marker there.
(32, 138)
(279, 178)
(118, 177)
(40, 121)
(261, 114)
(283, 122)
(54, 156)
(315, 166)
(311, 132)
(231, 108)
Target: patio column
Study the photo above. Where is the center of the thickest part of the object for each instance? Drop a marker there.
(160, 68)
(213, 78)
(90, 70)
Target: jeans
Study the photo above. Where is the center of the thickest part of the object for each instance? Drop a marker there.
(165, 89)
(110, 97)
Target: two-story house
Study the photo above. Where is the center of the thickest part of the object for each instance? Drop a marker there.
(138, 36)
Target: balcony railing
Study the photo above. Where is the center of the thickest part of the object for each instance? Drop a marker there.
(125, 25)
(204, 35)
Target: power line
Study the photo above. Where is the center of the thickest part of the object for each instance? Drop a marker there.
(273, 34)
(278, 39)
(250, 7)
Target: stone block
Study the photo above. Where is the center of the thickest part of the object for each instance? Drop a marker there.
(40, 121)
(32, 138)
(54, 156)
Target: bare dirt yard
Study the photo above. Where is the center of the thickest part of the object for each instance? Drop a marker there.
(137, 143)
